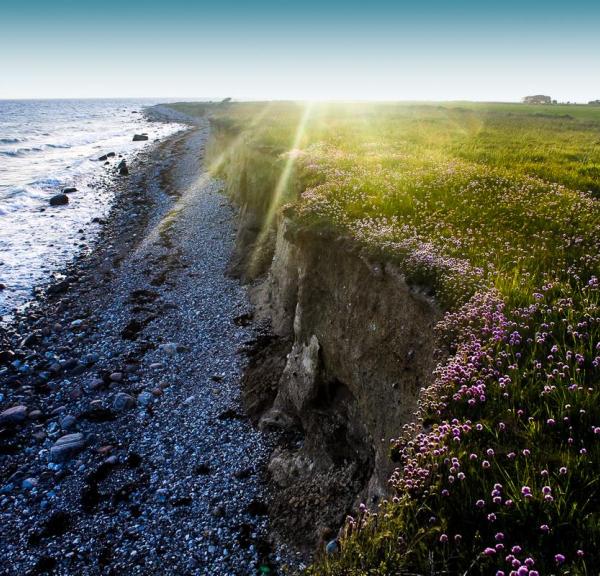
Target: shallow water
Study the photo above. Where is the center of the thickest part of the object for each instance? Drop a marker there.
(47, 145)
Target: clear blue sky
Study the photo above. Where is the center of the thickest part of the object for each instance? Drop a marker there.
(453, 49)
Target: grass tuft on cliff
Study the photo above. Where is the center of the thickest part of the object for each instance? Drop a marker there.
(493, 208)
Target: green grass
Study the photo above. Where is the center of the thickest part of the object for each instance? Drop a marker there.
(494, 209)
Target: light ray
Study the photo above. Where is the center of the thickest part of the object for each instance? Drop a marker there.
(281, 185)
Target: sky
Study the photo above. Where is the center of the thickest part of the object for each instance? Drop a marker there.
(367, 50)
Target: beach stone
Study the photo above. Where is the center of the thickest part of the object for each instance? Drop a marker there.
(69, 190)
(111, 155)
(14, 415)
(123, 401)
(122, 168)
(59, 200)
(103, 158)
(66, 447)
(145, 398)
(116, 376)
(140, 137)
(170, 348)
(68, 422)
(29, 483)
(2, 286)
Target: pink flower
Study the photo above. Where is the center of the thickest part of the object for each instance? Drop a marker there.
(559, 559)
(545, 528)
(499, 536)
(489, 551)
(444, 538)
(480, 503)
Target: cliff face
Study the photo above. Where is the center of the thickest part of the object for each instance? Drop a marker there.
(351, 345)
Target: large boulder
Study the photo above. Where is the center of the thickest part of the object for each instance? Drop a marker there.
(59, 200)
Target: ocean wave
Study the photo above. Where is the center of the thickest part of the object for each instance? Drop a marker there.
(9, 140)
(19, 152)
(58, 146)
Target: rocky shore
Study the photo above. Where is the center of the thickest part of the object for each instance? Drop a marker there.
(123, 443)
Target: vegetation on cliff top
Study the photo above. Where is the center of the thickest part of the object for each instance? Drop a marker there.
(494, 208)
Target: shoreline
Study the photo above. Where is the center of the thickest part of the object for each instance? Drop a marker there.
(101, 336)
(127, 203)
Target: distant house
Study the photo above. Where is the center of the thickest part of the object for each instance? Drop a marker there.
(537, 99)
(594, 102)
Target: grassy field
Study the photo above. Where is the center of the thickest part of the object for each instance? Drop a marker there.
(493, 208)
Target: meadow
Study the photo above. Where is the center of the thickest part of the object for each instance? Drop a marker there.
(493, 209)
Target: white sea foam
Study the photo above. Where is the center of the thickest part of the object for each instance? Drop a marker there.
(46, 146)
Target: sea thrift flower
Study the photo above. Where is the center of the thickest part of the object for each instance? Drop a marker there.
(444, 538)
(489, 551)
(559, 559)
(545, 528)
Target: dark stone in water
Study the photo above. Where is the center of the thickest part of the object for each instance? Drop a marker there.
(111, 155)
(140, 137)
(122, 168)
(59, 200)
(69, 190)
(103, 158)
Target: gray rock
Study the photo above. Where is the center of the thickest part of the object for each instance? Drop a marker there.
(116, 376)
(332, 547)
(123, 401)
(66, 447)
(68, 422)
(69, 190)
(140, 137)
(29, 483)
(59, 200)
(14, 415)
(170, 348)
(145, 398)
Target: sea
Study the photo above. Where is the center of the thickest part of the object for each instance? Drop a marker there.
(46, 146)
